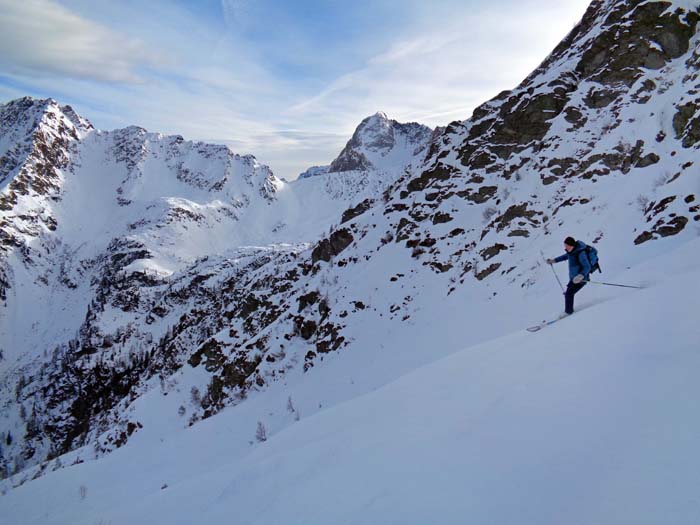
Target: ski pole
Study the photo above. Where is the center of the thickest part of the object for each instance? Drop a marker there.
(555, 273)
(620, 285)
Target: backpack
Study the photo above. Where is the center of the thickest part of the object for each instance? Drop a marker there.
(592, 255)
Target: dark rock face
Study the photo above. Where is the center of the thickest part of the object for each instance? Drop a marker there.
(356, 211)
(483, 274)
(328, 248)
(516, 211)
(483, 194)
(41, 160)
(492, 251)
(663, 229)
(532, 120)
(441, 217)
(647, 160)
(665, 222)
(308, 299)
(427, 177)
(350, 160)
(635, 36)
(686, 123)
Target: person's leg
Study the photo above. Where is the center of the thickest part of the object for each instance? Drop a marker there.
(571, 290)
(569, 298)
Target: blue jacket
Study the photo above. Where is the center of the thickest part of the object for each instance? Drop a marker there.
(578, 261)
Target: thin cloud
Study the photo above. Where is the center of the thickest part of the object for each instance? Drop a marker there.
(446, 69)
(41, 37)
(237, 13)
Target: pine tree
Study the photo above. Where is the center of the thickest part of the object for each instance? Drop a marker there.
(261, 432)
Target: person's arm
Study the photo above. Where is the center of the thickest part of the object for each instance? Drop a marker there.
(556, 259)
(585, 264)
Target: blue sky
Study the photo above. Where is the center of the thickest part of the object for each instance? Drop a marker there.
(285, 81)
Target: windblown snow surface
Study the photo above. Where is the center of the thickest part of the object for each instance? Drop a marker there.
(592, 420)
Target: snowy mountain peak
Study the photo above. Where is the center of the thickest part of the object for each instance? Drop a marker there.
(379, 142)
(378, 153)
(28, 113)
(378, 115)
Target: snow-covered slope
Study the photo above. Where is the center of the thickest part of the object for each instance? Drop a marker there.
(97, 227)
(600, 142)
(590, 421)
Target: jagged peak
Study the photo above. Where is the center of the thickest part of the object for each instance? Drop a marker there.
(381, 124)
(138, 130)
(33, 112)
(378, 116)
(375, 137)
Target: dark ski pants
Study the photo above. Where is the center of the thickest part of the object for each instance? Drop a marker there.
(571, 290)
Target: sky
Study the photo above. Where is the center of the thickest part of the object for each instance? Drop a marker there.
(287, 81)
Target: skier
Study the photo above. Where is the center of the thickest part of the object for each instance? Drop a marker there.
(583, 260)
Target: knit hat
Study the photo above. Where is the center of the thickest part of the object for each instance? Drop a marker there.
(570, 241)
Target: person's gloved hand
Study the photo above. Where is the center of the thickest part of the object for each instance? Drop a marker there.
(577, 279)
(550, 261)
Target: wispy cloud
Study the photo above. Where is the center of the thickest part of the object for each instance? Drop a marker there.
(445, 69)
(40, 38)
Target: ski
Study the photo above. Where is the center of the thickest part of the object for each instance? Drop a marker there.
(538, 327)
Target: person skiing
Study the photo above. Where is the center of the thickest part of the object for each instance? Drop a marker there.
(583, 260)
